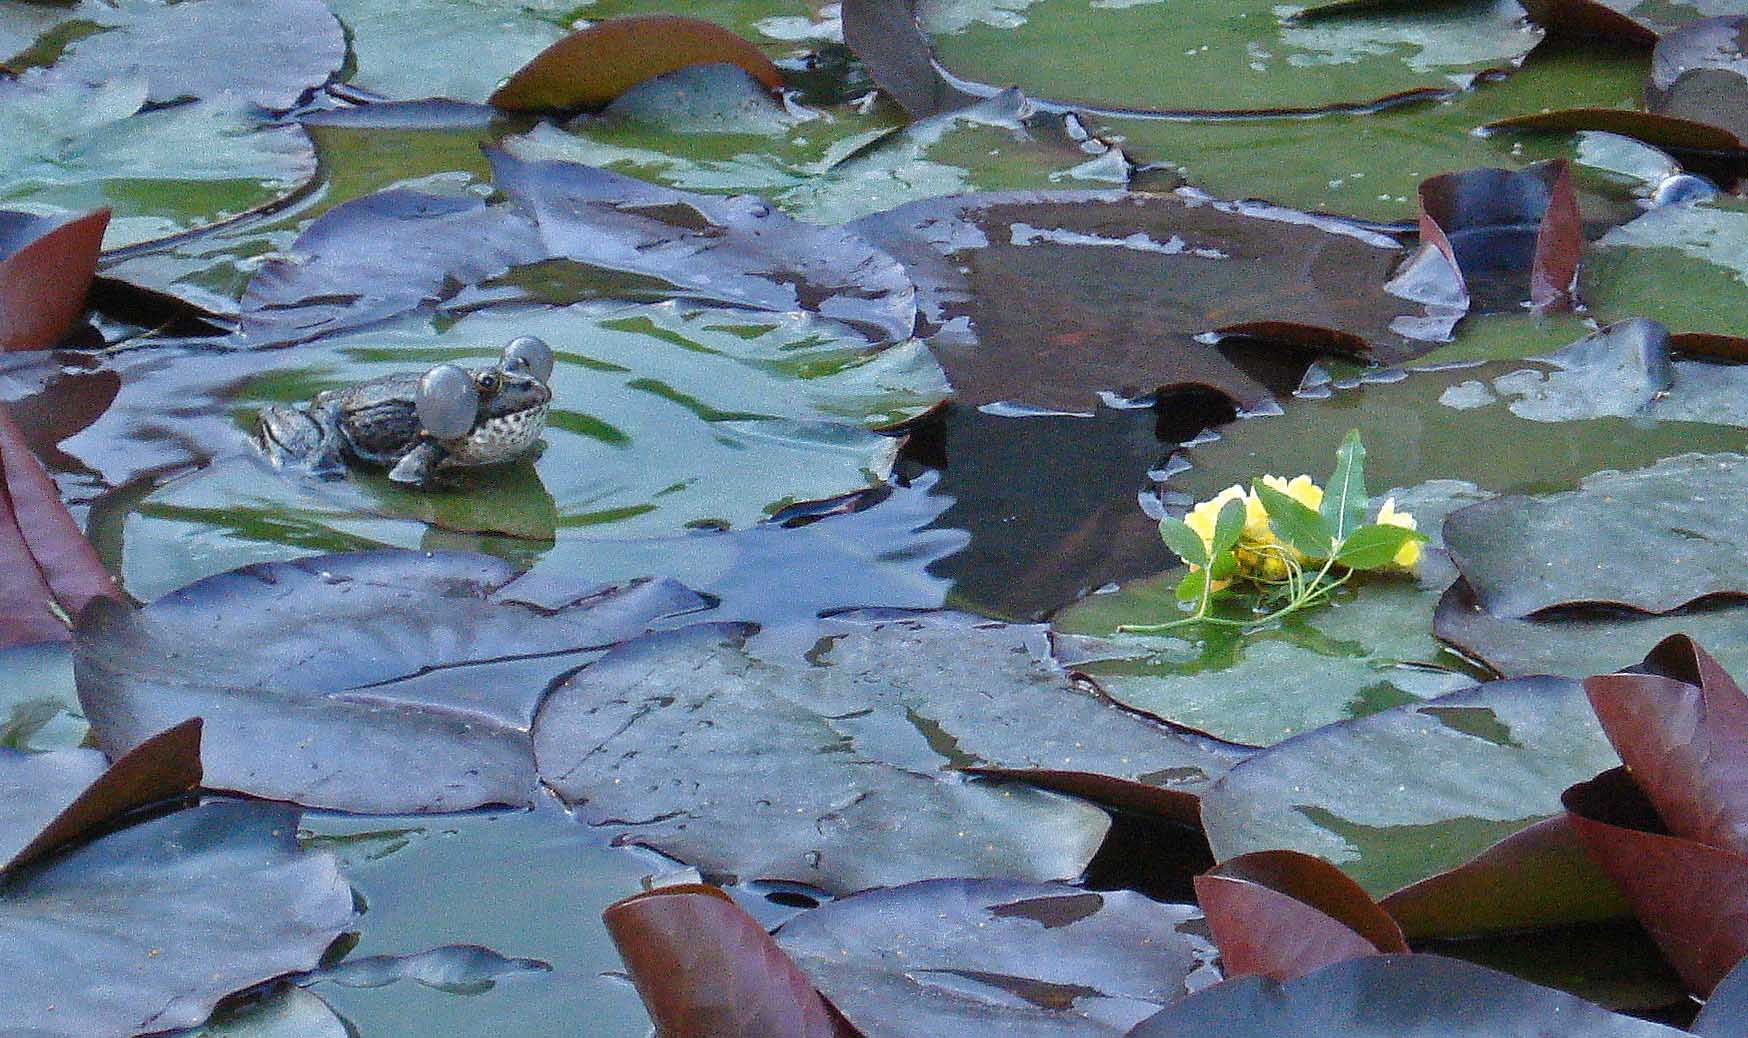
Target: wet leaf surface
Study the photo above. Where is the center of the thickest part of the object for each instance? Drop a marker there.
(1498, 225)
(855, 743)
(414, 692)
(1631, 21)
(197, 904)
(1681, 264)
(1283, 914)
(706, 968)
(46, 265)
(591, 67)
(1125, 282)
(56, 799)
(1246, 57)
(954, 957)
(1653, 539)
(1387, 995)
(1414, 790)
(443, 48)
(886, 37)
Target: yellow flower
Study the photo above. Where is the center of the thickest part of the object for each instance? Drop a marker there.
(1409, 553)
(1299, 488)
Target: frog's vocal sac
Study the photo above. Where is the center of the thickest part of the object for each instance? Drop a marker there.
(418, 424)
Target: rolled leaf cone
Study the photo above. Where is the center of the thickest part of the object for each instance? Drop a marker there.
(1283, 914)
(706, 969)
(1473, 218)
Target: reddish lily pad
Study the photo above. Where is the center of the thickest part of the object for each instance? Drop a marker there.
(1121, 285)
(1387, 996)
(836, 768)
(706, 969)
(1486, 222)
(55, 799)
(591, 67)
(45, 562)
(46, 265)
(1283, 914)
(1654, 539)
(146, 929)
(957, 958)
(376, 682)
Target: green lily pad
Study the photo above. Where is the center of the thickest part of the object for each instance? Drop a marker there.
(39, 708)
(458, 49)
(1416, 789)
(1684, 265)
(1251, 56)
(837, 768)
(1384, 155)
(198, 904)
(1531, 420)
(1369, 650)
(162, 170)
(1652, 539)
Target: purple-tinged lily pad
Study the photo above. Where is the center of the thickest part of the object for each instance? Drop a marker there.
(375, 682)
(1499, 225)
(1653, 539)
(958, 958)
(885, 36)
(1047, 300)
(46, 263)
(1284, 914)
(1388, 996)
(146, 929)
(838, 768)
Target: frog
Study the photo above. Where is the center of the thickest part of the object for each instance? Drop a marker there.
(418, 425)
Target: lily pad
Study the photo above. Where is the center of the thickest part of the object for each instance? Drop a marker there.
(1411, 791)
(139, 161)
(199, 904)
(458, 49)
(1123, 284)
(1494, 224)
(1684, 265)
(1252, 56)
(39, 707)
(956, 957)
(414, 691)
(1369, 650)
(853, 747)
(1389, 995)
(1631, 21)
(886, 37)
(46, 265)
(1653, 539)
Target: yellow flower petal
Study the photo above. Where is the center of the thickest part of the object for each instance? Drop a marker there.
(1409, 553)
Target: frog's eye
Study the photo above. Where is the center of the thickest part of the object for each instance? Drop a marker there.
(528, 355)
(447, 402)
(488, 381)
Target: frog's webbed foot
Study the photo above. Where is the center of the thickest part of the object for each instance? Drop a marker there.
(292, 436)
(418, 467)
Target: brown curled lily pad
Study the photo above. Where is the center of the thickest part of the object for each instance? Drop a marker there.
(591, 67)
(706, 969)
(857, 746)
(1047, 300)
(1653, 539)
(1283, 914)
(376, 682)
(958, 958)
(52, 800)
(198, 904)
(1497, 225)
(46, 565)
(1385, 996)
(46, 265)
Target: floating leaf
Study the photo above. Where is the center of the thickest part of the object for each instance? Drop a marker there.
(706, 969)
(1411, 791)
(1680, 264)
(1283, 914)
(955, 958)
(1491, 224)
(1384, 996)
(379, 681)
(591, 67)
(199, 904)
(48, 564)
(454, 49)
(56, 799)
(886, 36)
(853, 744)
(1653, 539)
(46, 265)
(1122, 284)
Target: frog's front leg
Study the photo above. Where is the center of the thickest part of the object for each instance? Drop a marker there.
(418, 467)
(293, 436)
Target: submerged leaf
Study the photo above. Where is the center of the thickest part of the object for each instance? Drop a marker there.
(886, 36)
